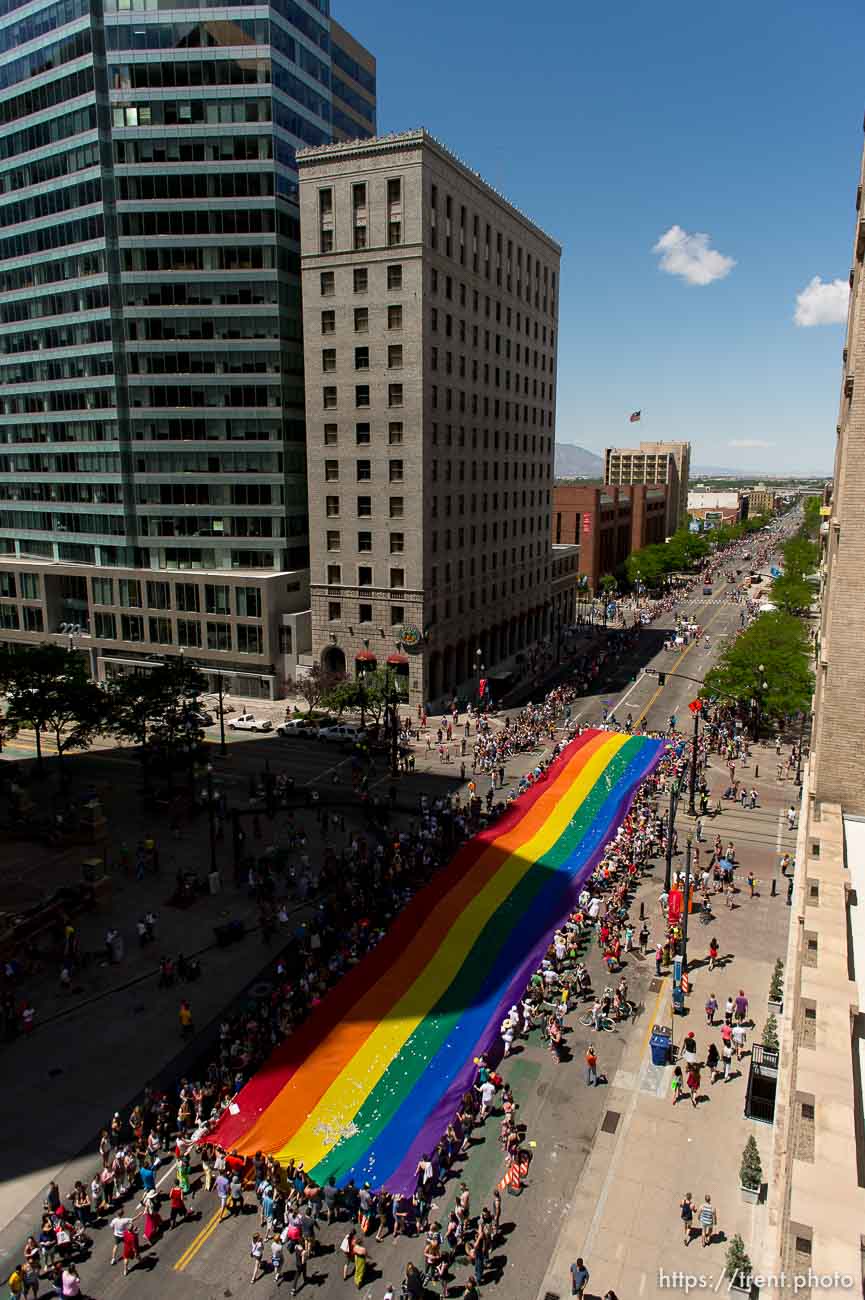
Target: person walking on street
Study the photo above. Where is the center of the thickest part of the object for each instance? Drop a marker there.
(693, 1082)
(712, 1061)
(729, 1007)
(713, 953)
(686, 1211)
(256, 1252)
(591, 1066)
(791, 818)
(727, 1057)
(739, 1040)
(741, 1005)
(676, 1084)
(711, 1009)
(579, 1278)
(708, 1219)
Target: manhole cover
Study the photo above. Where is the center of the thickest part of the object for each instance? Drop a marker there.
(611, 1121)
(655, 985)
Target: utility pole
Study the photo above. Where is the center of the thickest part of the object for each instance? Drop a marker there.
(685, 903)
(671, 822)
(694, 706)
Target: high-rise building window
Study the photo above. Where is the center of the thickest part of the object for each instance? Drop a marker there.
(129, 596)
(394, 276)
(397, 615)
(364, 613)
(250, 639)
(325, 244)
(334, 575)
(361, 358)
(33, 618)
(360, 236)
(394, 356)
(394, 433)
(327, 283)
(393, 189)
(364, 471)
(334, 611)
(247, 602)
(328, 398)
(333, 539)
(331, 507)
(216, 599)
(103, 591)
(331, 471)
(358, 196)
(397, 578)
(186, 598)
(394, 394)
(364, 541)
(29, 583)
(131, 627)
(364, 507)
(394, 317)
(395, 471)
(328, 322)
(397, 507)
(397, 543)
(331, 435)
(361, 395)
(188, 632)
(161, 631)
(394, 233)
(325, 203)
(158, 596)
(219, 636)
(364, 575)
(328, 359)
(362, 434)
(361, 279)
(105, 625)
(361, 320)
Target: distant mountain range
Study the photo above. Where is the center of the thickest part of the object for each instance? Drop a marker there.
(577, 462)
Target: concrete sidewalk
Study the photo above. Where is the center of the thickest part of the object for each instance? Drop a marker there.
(623, 1217)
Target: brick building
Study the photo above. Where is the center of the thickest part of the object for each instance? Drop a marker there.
(608, 523)
(430, 323)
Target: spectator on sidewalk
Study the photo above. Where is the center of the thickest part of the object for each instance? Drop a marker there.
(579, 1278)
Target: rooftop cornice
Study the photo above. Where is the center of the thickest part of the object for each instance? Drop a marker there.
(379, 145)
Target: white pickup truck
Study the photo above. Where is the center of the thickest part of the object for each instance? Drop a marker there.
(249, 722)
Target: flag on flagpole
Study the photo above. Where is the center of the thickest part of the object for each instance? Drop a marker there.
(634, 417)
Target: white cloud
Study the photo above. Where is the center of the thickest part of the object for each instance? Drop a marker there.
(749, 442)
(691, 257)
(822, 302)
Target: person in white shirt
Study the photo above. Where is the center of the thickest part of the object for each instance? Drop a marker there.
(118, 1225)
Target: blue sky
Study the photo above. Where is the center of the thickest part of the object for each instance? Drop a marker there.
(614, 124)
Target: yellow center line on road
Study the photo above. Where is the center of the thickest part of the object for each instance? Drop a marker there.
(197, 1242)
(687, 650)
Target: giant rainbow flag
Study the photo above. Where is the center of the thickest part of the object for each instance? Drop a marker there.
(372, 1079)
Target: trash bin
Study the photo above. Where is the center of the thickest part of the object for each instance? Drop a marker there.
(660, 1043)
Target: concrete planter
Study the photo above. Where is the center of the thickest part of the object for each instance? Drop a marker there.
(750, 1195)
(776, 1007)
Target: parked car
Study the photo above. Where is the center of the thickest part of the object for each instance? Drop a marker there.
(249, 722)
(707, 589)
(343, 731)
(297, 727)
(203, 718)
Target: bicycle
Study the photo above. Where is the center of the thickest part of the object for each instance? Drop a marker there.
(605, 1025)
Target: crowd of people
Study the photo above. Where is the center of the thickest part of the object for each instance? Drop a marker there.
(361, 879)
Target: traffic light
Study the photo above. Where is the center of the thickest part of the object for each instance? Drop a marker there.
(662, 679)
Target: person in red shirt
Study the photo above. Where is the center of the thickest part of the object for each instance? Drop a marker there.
(178, 1206)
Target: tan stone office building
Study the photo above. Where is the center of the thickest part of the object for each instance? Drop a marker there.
(654, 463)
(430, 331)
(816, 1218)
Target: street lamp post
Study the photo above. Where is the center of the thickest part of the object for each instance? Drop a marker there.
(671, 823)
(211, 816)
(692, 783)
(479, 668)
(685, 902)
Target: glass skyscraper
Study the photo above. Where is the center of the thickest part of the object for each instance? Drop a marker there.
(151, 376)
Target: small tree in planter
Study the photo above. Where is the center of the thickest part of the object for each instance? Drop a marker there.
(751, 1172)
(770, 1034)
(737, 1265)
(776, 985)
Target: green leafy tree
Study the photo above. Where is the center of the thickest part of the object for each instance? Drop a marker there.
(159, 711)
(315, 686)
(43, 685)
(792, 593)
(765, 670)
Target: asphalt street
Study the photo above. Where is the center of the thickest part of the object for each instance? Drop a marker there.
(207, 1259)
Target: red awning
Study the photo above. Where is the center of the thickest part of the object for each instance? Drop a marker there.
(397, 659)
(365, 657)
